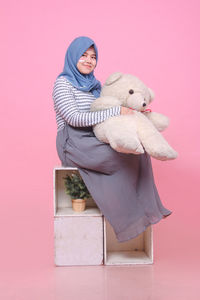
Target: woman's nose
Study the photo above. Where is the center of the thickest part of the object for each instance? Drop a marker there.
(88, 58)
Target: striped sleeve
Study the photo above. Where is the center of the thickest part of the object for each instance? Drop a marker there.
(65, 104)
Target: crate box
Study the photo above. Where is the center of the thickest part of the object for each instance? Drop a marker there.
(62, 201)
(78, 240)
(135, 251)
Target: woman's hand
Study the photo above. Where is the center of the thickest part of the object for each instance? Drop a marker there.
(126, 111)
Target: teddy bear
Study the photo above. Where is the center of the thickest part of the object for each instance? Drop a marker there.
(135, 133)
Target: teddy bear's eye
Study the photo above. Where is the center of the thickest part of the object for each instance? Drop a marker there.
(131, 91)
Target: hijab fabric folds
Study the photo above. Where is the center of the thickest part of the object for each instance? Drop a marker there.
(83, 82)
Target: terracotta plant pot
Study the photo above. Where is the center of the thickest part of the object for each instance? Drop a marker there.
(78, 204)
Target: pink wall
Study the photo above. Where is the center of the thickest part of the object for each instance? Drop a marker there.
(157, 41)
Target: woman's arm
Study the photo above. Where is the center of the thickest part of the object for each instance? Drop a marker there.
(65, 104)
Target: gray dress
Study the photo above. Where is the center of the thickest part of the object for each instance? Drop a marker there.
(122, 185)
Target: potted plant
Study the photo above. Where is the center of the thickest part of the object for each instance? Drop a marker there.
(76, 188)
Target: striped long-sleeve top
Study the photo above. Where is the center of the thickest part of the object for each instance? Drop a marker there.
(73, 106)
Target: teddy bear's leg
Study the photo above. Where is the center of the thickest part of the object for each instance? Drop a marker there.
(153, 142)
(120, 133)
(121, 146)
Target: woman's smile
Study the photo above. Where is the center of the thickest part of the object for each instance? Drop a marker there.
(88, 66)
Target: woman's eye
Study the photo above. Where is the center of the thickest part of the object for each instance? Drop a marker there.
(131, 91)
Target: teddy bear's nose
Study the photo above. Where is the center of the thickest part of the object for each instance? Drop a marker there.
(144, 104)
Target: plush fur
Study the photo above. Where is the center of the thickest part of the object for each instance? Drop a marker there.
(132, 133)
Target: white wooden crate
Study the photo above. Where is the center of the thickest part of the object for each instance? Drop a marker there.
(78, 240)
(135, 251)
(62, 201)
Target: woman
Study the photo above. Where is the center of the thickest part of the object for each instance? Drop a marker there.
(122, 185)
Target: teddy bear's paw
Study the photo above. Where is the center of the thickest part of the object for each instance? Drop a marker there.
(133, 147)
(172, 154)
(165, 154)
(138, 150)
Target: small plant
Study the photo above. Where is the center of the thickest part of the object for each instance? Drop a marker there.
(75, 187)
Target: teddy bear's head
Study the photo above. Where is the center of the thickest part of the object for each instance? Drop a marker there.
(129, 89)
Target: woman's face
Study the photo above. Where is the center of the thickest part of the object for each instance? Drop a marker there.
(87, 61)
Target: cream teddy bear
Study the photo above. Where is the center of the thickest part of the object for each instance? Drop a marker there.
(131, 133)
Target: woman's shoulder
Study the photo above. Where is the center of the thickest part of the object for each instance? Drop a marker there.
(62, 80)
(61, 83)
(61, 86)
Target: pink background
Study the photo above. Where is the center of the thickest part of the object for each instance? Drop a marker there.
(158, 41)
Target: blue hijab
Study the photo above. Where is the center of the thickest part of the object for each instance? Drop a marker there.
(83, 82)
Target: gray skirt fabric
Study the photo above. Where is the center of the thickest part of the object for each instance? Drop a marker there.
(122, 185)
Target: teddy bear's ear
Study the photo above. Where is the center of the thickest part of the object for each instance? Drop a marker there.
(113, 77)
(152, 95)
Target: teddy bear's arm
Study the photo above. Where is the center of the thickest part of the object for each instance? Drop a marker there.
(160, 121)
(104, 102)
